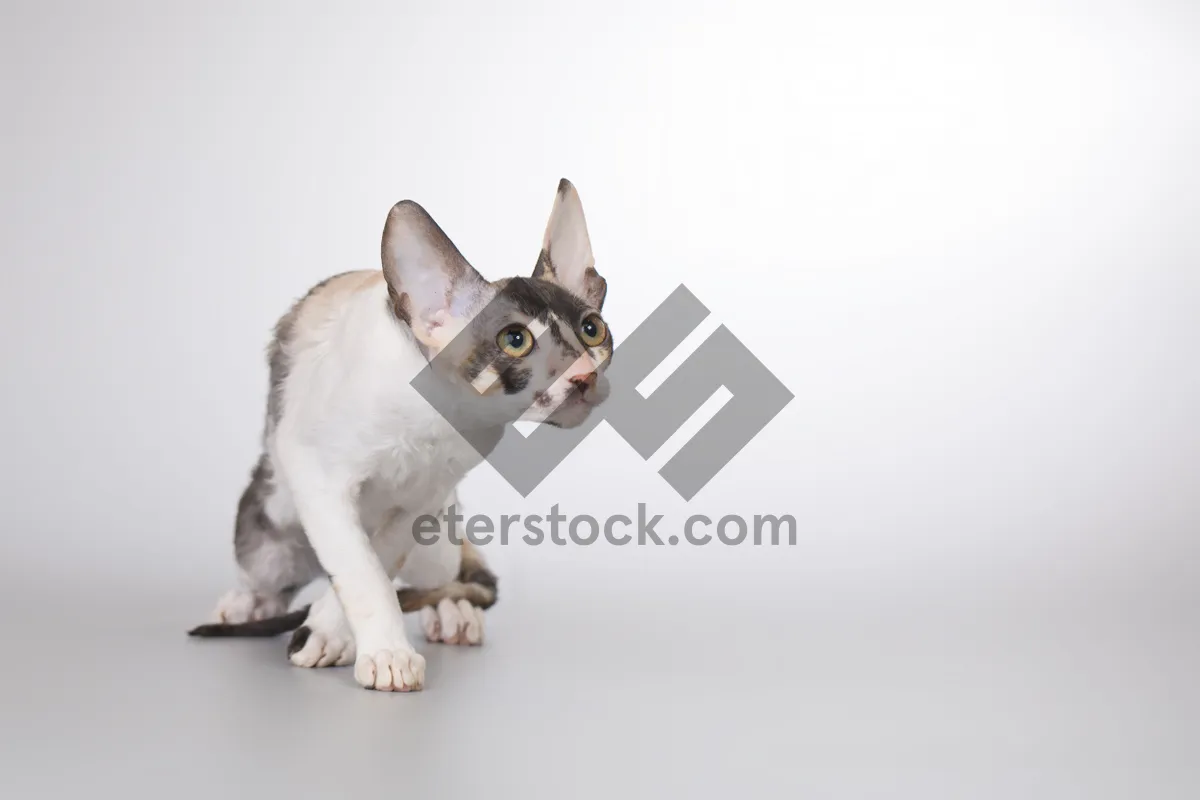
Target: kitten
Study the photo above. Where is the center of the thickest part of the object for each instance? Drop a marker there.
(354, 455)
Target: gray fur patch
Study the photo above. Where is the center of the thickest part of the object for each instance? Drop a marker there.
(276, 560)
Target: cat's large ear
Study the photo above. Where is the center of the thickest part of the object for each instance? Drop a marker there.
(432, 286)
(566, 256)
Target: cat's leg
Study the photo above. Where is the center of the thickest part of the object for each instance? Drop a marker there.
(274, 558)
(325, 496)
(455, 582)
(452, 578)
(325, 639)
(457, 616)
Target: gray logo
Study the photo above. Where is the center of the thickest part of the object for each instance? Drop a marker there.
(645, 422)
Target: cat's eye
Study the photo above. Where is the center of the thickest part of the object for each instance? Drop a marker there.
(515, 341)
(592, 330)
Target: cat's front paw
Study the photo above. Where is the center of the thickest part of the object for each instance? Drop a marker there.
(453, 622)
(394, 670)
(317, 648)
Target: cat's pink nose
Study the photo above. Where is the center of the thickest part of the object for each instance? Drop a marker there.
(584, 382)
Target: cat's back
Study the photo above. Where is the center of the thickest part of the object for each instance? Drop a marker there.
(342, 363)
(323, 304)
(334, 331)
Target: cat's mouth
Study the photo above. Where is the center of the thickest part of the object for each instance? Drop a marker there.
(573, 410)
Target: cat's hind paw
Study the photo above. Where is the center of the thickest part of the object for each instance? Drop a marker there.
(239, 606)
(453, 622)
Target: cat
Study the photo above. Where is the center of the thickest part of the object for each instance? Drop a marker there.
(353, 455)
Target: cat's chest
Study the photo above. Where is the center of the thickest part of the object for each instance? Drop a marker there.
(419, 469)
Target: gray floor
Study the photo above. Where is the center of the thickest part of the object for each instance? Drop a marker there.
(667, 687)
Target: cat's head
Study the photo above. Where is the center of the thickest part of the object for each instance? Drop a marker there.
(532, 348)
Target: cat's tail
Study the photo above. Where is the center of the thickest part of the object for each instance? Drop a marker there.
(475, 583)
(271, 626)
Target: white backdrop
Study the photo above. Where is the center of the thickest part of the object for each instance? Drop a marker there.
(966, 240)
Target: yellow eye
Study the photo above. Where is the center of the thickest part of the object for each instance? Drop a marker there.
(592, 330)
(515, 341)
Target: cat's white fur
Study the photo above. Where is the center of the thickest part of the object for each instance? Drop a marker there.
(355, 442)
(360, 455)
